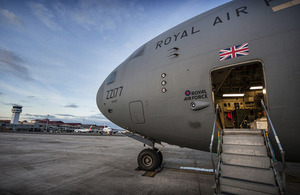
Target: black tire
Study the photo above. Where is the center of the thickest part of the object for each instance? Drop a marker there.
(161, 158)
(148, 160)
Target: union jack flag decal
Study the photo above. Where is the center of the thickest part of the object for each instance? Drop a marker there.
(233, 52)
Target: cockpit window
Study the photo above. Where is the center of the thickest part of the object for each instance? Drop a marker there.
(111, 78)
(137, 53)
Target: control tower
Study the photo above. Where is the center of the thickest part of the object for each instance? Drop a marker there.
(16, 111)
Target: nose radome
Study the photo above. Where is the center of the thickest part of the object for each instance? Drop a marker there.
(99, 98)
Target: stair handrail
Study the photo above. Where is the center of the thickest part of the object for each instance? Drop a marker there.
(272, 127)
(212, 140)
(282, 152)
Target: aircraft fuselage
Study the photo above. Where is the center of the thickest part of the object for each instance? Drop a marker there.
(151, 92)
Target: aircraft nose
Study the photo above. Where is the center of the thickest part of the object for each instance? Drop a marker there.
(99, 98)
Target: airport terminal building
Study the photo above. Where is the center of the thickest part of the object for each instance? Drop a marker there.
(43, 125)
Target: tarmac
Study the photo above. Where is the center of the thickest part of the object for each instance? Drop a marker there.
(73, 164)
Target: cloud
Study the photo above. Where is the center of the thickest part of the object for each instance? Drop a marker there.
(71, 106)
(44, 14)
(38, 116)
(97, 116)
(66, 115)
(30, 98)
(1, 93)
(8, 104)
(10, 17)
(98, 15)
(13, 64)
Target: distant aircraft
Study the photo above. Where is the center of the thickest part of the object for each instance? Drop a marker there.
(89, 130)
(234, 55)
(109, 130)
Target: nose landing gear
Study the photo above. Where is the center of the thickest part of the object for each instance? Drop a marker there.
(150, 159)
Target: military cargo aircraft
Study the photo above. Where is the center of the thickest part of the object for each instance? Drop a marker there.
(234, 55)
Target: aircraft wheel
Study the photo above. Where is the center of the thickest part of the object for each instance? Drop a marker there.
(148, 160)
(161, 158)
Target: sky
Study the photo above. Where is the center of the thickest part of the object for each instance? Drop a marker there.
(55, 54)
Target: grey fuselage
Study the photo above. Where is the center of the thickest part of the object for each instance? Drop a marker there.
(147, 93)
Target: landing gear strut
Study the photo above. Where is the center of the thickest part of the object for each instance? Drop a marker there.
(150, 159)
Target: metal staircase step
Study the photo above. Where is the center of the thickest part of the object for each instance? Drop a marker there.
(245, 160)
(248, 173)
(246, 150)
(245, 165)
(243, 185)
(244, 140)
(233, 191)
(242, 131)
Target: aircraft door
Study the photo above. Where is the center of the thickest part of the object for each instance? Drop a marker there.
(238, 89)
(137, 112)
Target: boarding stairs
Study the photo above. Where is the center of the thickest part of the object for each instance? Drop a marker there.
(247, 163)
